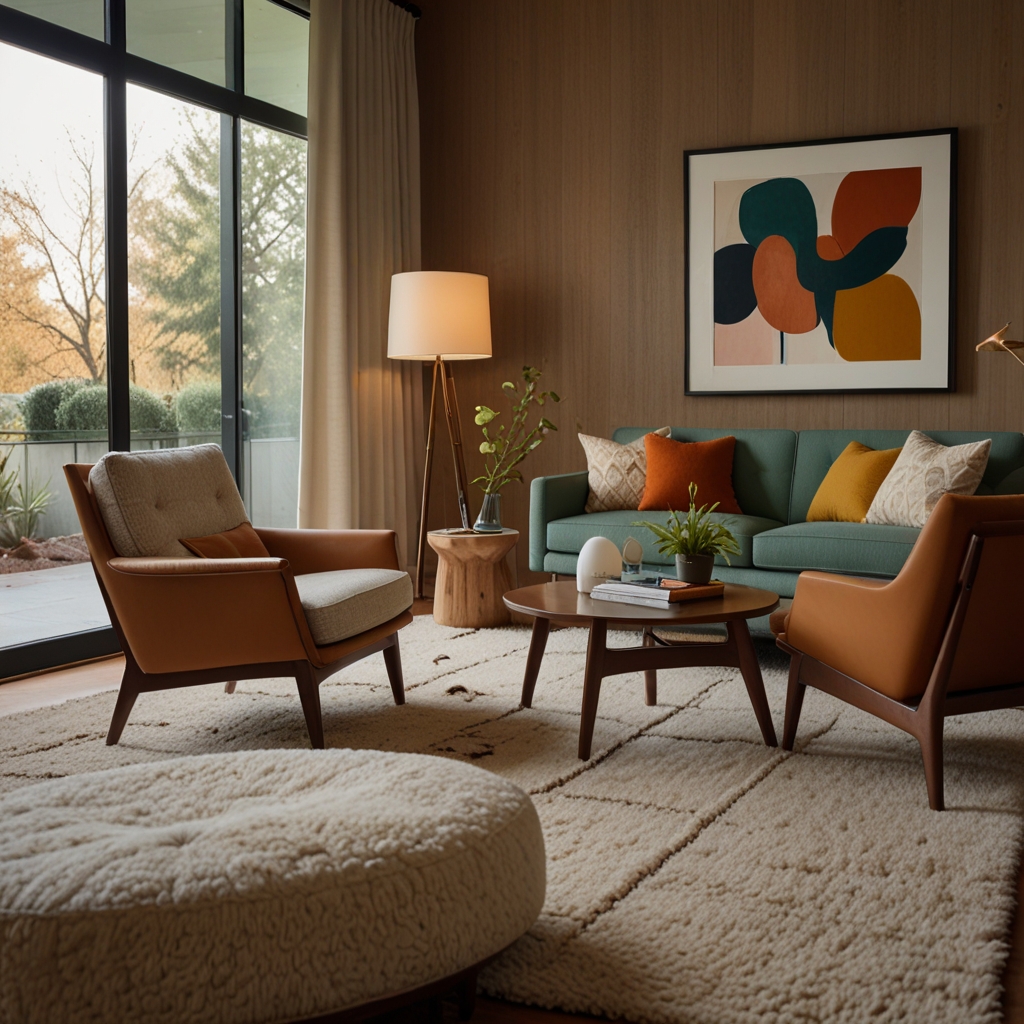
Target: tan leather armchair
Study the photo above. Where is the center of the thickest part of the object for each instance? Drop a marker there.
(943, 638)
(188, 621)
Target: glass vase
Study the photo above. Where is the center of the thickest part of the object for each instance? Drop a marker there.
(489, 520)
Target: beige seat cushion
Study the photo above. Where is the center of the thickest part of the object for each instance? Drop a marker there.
(151, 499)
(344, 602)
(257, 886)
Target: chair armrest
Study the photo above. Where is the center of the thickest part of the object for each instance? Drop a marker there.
(323, 550)
(193, 566)
(179, 614)
(553, 497)
(861, 628)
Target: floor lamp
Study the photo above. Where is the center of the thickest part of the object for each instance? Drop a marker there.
(440, 316)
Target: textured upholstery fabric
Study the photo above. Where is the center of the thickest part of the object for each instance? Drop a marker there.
(257, 886)
(846, 493)
(571, 533)
(817, 449)
(858, 548)
(924, 471)
(344, 602)
(241, 542)
(149, 500)
(762, 468)
(553, 497)
(673, 466)
(616, 473)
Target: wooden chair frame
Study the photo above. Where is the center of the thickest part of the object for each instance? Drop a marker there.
(923, 718)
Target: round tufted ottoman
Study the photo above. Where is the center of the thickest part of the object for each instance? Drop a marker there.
(257, 886)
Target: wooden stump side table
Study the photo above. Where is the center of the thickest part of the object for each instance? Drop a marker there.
(472, 577)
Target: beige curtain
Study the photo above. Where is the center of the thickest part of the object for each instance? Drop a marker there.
(362, 415)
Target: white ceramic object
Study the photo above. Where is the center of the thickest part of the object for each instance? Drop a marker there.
(599, 560)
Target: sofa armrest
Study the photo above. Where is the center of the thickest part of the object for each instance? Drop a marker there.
(179, 614)
(323, 550)
(553, 497)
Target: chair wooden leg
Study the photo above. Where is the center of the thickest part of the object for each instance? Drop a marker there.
(393, 661)
(467, 996)
(931, 751)
(794, 702)
(125, 701)
(309, 695)
(229, 686)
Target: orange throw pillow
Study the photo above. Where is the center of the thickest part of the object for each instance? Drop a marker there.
(241, 542)
(671, 465)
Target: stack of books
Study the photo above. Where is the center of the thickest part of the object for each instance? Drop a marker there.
(654, 592)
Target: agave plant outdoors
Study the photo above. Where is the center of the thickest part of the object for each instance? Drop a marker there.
(506, 447)
(697, 536)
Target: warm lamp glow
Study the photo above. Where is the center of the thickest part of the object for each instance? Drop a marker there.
(439, 313)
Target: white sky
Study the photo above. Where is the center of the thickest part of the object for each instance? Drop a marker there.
(43, 98)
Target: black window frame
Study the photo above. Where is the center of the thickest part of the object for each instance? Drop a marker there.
(110, 58)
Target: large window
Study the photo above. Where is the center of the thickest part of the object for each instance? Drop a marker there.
(152, 243)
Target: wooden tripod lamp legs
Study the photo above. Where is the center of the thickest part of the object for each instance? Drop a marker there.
(442, 372)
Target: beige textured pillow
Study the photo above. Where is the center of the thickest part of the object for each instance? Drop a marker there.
(618, 472)
(923, 472)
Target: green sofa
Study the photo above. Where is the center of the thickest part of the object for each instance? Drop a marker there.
(775, 476)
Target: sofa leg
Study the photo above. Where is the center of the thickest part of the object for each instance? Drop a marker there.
(309, 695)
(931, 751)
(794, 702)
(393, 661)
(229, 686)
(125, 702)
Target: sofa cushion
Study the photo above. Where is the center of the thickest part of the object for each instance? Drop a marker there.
(616, 473)
(343, 602)
(846, 493)
(762, 468)
(674, 467)
(862, 549)
(570, 534)
(816, 450)
(149, 500)
(924, 471)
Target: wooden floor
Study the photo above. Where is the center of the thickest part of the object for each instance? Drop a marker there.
(81, 680)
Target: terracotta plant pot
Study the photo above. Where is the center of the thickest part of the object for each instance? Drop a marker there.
(694, 568)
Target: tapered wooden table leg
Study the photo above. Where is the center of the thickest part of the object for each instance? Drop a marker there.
(739, 635)
(592, 684)
(539, 640)
(650, 675)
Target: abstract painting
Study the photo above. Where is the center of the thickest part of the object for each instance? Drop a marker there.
(822, 266)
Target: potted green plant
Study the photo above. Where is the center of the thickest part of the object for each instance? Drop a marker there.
(505, 448)
(695, 540)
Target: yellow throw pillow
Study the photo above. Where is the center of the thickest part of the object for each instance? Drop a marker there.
(849, 487)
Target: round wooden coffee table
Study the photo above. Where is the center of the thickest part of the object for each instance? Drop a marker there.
(561, 601)
(472, 577)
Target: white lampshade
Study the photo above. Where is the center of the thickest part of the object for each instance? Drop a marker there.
(439, 313)
(599, 560)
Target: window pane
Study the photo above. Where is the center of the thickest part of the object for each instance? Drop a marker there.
(173, 271)
(187, 35)
(85, 16)
(273, 269)
(53, 393)
(276, 55)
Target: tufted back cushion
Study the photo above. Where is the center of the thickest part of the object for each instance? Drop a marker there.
(150, 500)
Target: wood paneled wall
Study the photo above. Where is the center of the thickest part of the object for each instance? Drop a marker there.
(553, 134)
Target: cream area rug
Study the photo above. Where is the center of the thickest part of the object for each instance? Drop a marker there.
(694, 875)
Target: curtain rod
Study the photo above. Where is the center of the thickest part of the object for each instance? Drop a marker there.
(410, 8)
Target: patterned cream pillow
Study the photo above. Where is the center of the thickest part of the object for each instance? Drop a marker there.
(923, 472)
(618, 472)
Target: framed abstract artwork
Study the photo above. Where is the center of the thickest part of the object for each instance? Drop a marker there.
(822, 266)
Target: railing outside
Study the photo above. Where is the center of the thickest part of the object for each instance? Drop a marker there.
(270, 480)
